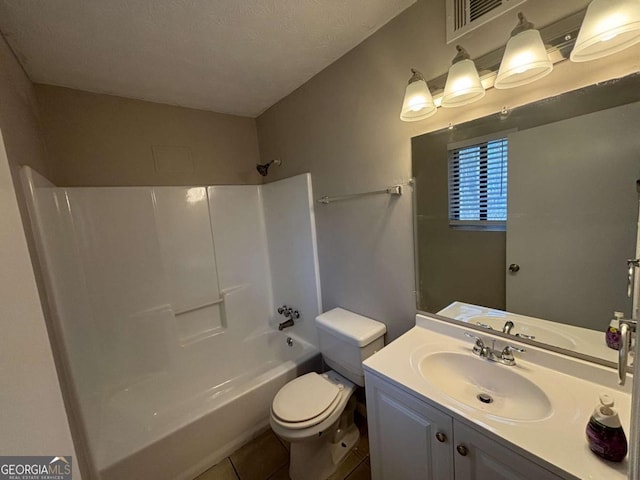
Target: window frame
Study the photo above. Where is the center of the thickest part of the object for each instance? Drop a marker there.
(481, 224)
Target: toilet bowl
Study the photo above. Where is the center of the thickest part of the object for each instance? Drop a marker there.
(314, 412)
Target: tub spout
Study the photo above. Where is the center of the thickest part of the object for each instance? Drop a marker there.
(287, 324)
(290, 314)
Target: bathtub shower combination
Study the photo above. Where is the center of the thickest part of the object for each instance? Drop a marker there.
(162, 309)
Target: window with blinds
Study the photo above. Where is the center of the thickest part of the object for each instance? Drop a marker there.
(478, 185)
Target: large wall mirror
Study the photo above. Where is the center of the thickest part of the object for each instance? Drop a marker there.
(533, 211)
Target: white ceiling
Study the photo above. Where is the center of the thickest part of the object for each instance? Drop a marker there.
(230, 56)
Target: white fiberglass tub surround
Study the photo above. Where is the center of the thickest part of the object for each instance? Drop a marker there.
(163, 301)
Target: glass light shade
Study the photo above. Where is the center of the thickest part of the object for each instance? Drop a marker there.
(608, 27)
(418, 102)
(525, 60)
(463, 85)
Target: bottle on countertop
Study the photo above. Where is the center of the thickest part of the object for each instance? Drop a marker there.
(604, 431)
(612, 335)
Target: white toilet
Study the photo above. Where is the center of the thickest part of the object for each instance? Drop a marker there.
(315, 411)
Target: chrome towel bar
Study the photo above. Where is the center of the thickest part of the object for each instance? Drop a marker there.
(395, 190)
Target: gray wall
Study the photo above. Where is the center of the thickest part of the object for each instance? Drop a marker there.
(95, 139)
(33, 420)
(343, 126)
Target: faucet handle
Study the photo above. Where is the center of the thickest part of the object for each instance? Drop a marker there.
(517, 349)
(475, 337)
(479, 346)
(282, 309)
(524, 335)
(484, 325)
(507, 353)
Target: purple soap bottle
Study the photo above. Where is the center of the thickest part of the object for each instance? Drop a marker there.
(612, 335)
(604, 431)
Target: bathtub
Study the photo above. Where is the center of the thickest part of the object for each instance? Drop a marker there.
(169, 427)
(161, 299)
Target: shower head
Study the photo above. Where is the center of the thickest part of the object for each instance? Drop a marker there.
(264, 169)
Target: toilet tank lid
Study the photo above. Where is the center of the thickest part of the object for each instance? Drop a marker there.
(351, 327)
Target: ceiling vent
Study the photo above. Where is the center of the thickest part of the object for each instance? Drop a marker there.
(466, 15)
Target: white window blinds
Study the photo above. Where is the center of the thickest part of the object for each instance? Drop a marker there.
(478, 185)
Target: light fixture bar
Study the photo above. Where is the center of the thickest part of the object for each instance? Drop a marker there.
(559, 38)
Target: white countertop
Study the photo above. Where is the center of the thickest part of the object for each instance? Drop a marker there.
(558, 442)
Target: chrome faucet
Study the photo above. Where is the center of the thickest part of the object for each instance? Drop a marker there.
(508, 328)
(627, 329)
(290, 314)
(504, 356)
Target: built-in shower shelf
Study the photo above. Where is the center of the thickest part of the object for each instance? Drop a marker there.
(198, 307)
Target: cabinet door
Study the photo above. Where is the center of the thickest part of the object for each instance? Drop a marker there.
(409, 440)
(478, 457)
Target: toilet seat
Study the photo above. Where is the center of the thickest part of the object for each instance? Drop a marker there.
(306, 401)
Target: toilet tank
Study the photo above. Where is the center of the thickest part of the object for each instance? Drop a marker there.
(347, 339)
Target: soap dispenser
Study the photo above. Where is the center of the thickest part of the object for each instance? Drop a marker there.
(604, 431)
(612, 336)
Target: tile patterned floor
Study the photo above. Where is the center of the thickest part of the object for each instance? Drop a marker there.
(267, 458)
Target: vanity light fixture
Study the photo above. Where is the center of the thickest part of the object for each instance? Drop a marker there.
(603, 28)
(609, 26)
(418, 102)
(463, 82)
(525, 58)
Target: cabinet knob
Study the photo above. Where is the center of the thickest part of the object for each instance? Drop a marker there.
(514, 268)
(462, 450)
(441, 437)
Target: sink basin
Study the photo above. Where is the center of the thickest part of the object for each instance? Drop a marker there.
(540, 333)
(493, 388)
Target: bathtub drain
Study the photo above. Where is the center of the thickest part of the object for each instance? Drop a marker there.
(290, 341)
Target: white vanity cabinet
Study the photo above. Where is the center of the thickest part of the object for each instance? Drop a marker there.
(402, 435)
(411, 440)
(478, 457)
